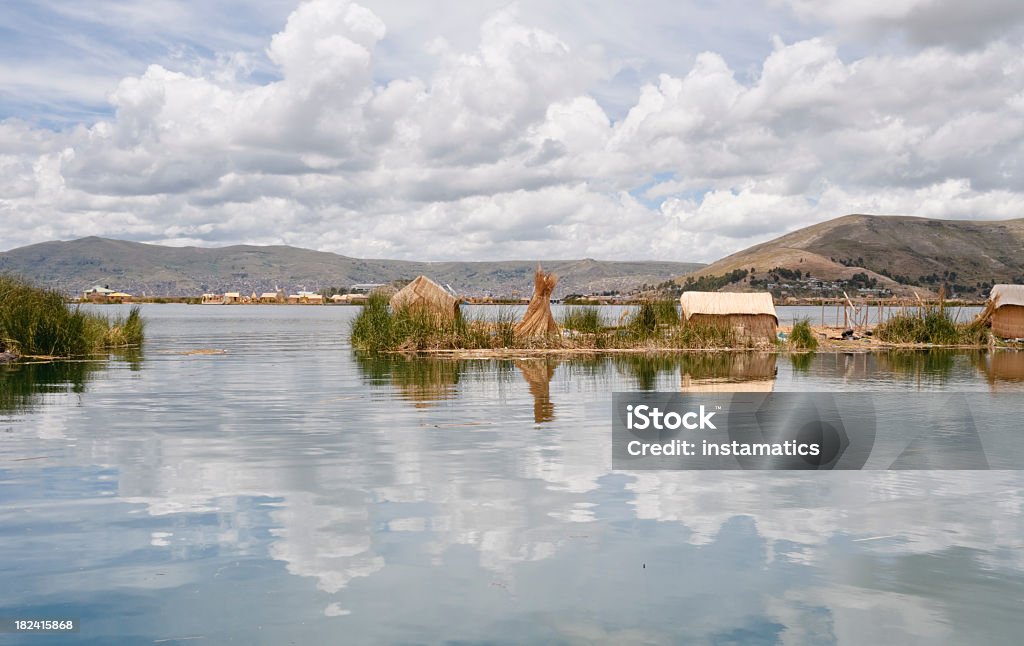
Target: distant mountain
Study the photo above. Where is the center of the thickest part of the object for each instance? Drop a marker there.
(157, 270)
(902, 253)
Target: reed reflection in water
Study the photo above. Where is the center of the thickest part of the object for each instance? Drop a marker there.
(25, 385)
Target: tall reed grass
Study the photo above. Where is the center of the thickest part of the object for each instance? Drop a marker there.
(801, 337)
(38, 321)
(376, 328)
(582, 318)
(930, 324)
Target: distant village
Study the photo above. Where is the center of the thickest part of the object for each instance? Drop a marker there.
(1004, 309)
(787, 287)
(352, 295)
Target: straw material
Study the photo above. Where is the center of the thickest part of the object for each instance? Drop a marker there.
(427, 295)
(1006, 310)
(748, 314)
(1008, 322)
(1003, 295)
(538, 320)
(726, 303)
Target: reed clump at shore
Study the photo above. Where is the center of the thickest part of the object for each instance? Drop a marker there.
(39, 321)
(802, 338)
(931, 325)
(651, 326)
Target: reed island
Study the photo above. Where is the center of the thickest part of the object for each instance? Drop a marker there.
(425, 317)
(39, 322)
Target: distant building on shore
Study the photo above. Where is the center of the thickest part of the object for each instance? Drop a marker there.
(364, 288)
(97, 294)
(306, 298)
(227, 298)
(348, 299)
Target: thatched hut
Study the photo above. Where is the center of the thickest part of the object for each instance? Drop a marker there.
(426, 295)
(748, 314)
(538, 320)
(1007, 307)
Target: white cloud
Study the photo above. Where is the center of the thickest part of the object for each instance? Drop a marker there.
(951, 23)
(503, 148)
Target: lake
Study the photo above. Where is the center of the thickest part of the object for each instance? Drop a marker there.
(248, 479)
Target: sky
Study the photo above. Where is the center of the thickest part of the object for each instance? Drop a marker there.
(442, 130)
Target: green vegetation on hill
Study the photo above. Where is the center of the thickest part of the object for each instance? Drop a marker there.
(712, 283)
(37, 321)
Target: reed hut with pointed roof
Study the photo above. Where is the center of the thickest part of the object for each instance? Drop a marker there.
(750, 315)
(1006, 303)
(423, 294)
(538, 320)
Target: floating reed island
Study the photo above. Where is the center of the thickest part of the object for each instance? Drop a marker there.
(426, 317)
(35, 321)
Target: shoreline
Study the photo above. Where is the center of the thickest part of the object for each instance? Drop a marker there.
(514, 353)
(828, 343)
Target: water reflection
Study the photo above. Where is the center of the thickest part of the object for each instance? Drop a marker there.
(801, 361)
(646, 369)
(728, 372)
(300, 494)
(1003, 369)
(26, 385)
(894, 369)
(538, 373)
(934, 364)
(425, 381)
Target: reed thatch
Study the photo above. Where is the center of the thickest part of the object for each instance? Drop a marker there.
(426, 295)
(748, 314)
(1006, 310)
(538, 320)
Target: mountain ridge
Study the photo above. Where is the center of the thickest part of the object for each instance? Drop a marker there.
(905, 254)
(138, 267)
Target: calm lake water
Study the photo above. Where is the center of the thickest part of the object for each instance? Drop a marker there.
(287, 491)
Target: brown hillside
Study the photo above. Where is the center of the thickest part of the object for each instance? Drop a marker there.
(908, 248)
